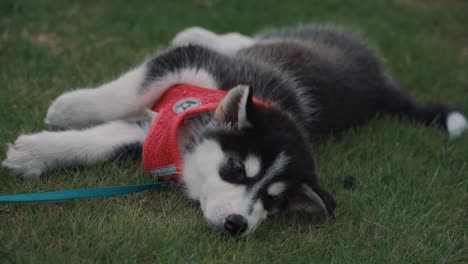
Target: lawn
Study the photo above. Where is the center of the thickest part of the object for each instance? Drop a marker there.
(410, 205)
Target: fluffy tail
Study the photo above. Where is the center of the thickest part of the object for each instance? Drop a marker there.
(396, 102)
(445, 117)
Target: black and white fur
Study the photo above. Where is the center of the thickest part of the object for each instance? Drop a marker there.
(247, 161)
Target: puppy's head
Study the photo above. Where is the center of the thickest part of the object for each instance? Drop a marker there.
(249, 162)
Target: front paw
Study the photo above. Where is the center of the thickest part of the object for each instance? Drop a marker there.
(24, 158)
(72, 109)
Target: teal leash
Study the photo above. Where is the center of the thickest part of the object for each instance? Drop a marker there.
(81, 193)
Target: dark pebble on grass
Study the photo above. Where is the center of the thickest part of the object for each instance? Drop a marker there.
(349, 183)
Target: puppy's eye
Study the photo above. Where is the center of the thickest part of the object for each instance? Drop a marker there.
(273, 198)
(233, 170)
(236, 166)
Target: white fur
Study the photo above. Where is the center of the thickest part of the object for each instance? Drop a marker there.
(456, 124)
(191, 76)
(32, 155)
(257, 216)
(200, 166)
(218, 198)
(227, 44)
(242, 112)
(121, 99)
(235, 101)
(252, 166)
(112, 101)
(278, 166)
(276, 188)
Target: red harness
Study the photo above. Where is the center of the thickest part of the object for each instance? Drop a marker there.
(161, 158)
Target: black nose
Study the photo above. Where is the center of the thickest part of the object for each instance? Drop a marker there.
(235, 224)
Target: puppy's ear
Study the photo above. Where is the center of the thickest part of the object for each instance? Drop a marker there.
(236, 107)
(312, 199)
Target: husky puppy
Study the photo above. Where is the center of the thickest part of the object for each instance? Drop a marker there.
(246, 161)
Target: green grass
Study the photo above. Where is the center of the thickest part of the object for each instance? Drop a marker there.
(411, 201)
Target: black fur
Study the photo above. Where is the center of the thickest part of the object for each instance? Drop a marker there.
(306, 69)
(316, 81)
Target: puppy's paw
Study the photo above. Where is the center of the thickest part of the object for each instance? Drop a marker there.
(193, 35)
(24, 157)
(72, 109)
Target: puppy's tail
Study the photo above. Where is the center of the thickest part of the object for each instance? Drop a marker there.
(394, 101)
(446, 117)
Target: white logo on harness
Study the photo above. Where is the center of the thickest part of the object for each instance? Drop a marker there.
(185, 104)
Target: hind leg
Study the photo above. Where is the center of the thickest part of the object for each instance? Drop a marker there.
(33, 155)
(127, 96)
(112, 101)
